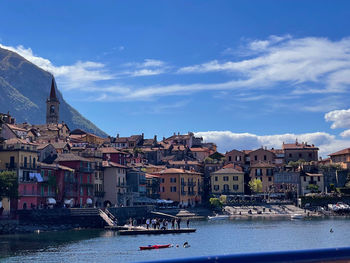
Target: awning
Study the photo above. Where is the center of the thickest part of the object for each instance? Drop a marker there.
(162, 201)
(51, 201)
(37, 176)
(144, 200)
(89, 201)
(69, 201)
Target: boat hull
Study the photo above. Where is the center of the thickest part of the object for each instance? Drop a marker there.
(155, 247)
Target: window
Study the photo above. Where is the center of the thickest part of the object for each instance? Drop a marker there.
(255, 157)
(173, 189)
(235, 187)
(304, 178)
(226, 187)
(225, 178)
(163, 189)
(81, 190)
(290, 155)
(300, 155)
(264, 157)
(270, 178)
(49, 173)
(238, 158)
(88, 178)
(42, 190)
(173, 180)
(318, 178)
(81, 178)
(216, 178)
(229, 159)
(310, 154)
(235, 178)
(216, 187)
(258, 172)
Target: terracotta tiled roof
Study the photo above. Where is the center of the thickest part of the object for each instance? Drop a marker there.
(234, 150)
(342, 152)
(16, 128)
(59, 145)
(176, 171)
(112, 164)
(121, 140)
(262, 165)
(246, 151)
(183, 162)
(64, 157)
(233, 166)
(17, 140)
(152, 176)
(297, 145)
(108, 150)
(228, 171)
(199, 149)
(43, 146)
(55, 166)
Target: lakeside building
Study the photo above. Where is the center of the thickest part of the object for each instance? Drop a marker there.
(21, 157)
(341, 157)
(114, 184)
(311, 182)
(181, 186)
(300, 151)
(227, 181)
(82, 188)
(264, 172)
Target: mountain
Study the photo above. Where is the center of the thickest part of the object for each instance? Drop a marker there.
(24, 88)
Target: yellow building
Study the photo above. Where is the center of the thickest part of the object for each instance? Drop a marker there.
(227, 181)
(182, 186)
(19, 155)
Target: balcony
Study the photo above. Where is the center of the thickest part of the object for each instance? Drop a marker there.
(86, 170)
(183, 193)
(191, 193)
(11, 166)
(191, 184)
(121, 184)
(28, 166)
(99, 194)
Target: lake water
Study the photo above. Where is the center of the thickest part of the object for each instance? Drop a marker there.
(211, 238)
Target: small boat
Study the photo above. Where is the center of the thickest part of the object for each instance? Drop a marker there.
(218, 217)
(155, 247)
(297, 216)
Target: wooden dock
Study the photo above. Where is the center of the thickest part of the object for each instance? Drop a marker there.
(137, 231)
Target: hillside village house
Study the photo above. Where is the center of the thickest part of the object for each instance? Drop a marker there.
(114, 184)
(236, 157)
(307, 179)
(227, 181)
(341, 157)
(181, 186)
(300, 151)
(83, 178)
(264, 172)
(261, 155)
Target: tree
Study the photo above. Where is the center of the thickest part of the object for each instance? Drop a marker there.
(215, 203)
(312, 187)
(8, 184)
(255, 185)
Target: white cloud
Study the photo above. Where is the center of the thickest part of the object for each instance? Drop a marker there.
(148, 67)
(79, 75)
(316, 61)
(227, 140)
(340, 118)
(345, 134)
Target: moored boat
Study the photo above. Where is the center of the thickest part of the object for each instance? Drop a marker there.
(218, 217)
(297, 216)
(155, 247)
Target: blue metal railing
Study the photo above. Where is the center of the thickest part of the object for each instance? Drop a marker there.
(314, 255)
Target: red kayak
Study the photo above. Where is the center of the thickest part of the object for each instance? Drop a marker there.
(155, 247)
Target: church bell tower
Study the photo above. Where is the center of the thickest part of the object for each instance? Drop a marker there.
(52, 106)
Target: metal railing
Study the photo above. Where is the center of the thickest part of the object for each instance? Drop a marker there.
(312, 255)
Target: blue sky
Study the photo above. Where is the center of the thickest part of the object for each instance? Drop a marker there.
(240, 73)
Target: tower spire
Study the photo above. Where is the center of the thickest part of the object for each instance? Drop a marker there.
(53, 90)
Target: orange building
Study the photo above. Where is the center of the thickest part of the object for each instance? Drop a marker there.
(264, 172)
(181, 186)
